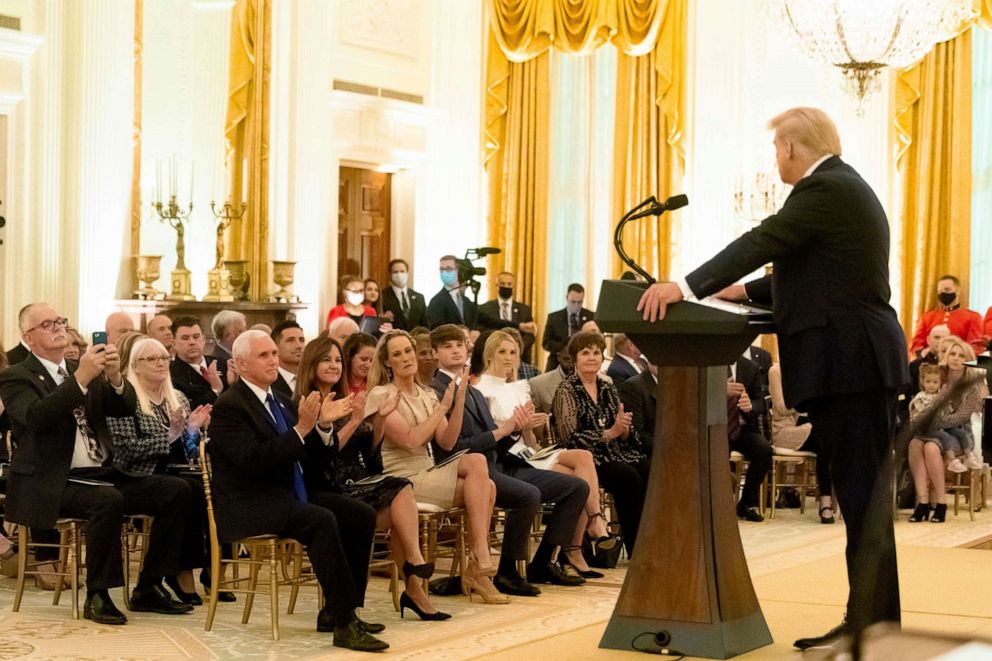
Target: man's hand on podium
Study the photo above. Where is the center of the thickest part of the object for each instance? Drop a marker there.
(656, 299)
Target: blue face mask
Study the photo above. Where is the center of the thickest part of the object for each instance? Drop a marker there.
(449, 278)
(573, 308)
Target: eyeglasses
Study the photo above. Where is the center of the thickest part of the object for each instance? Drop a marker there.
(155, 359)
(50, 324)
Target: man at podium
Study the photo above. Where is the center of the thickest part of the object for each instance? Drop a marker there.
(842, 349)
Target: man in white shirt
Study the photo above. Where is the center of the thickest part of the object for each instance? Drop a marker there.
(288, 336)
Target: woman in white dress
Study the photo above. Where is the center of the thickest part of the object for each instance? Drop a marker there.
(504, 393)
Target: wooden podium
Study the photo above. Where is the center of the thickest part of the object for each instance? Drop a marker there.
(687, 588)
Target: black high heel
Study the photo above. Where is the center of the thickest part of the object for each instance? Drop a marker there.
(565, 563)
(425, 570)
(921, 513)
(939, 513)
(191, 598)
(827, 519)
(406, 601)
(606, 542)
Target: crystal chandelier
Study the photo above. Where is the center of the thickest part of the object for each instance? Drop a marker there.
(860, 37)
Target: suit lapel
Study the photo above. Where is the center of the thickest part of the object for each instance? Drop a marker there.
(255, 405)
(43, 380)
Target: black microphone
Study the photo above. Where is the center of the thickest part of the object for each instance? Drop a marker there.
(657, 208)
(482, 252)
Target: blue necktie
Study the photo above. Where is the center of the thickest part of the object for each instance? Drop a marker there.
(282, 428)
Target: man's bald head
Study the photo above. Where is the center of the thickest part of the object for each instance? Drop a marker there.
(118, 323)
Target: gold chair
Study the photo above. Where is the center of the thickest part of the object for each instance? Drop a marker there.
(803, 478)
(384, 560)
(135, 534)
(967, 484)
(68, 565)
(435, 521)
(738, 471)
(271, 550)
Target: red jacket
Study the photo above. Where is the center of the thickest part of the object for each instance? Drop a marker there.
(964, 323)
(339, 311)
(988, 325)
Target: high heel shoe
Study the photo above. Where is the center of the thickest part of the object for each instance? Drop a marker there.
(482, 570)
(425, 570)
(566, 564)
(606, 542)
(476, 582)
(921, 513)
(939, 513)
(827, 519)
(191, 598)
(406, 601)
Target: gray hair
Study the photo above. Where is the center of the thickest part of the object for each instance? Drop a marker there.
(337, 324)
(25, 314)
(242, 346)
(222, 320)
(142, 346)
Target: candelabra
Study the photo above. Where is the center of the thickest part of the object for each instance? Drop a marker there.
(219, 277)
(177, 218)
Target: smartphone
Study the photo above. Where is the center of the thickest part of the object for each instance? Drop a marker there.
(99, 337)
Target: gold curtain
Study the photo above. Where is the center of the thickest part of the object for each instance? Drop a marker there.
(933, 127)
(648, 156)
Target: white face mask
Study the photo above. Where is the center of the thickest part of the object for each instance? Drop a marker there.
(400, 279)
(355, 297)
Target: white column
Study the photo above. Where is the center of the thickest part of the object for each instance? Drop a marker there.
(98, 115)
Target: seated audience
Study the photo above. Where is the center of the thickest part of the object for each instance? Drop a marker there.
(341, 467)
(787, 432)
(191, 373)
(451, 305)
(413, 418)
(21, 351)
(526, 371)
(341, 329)
(565, 323)
(407, 307)
(265, 328)
(426, 363)
(257, 443)
(126, 342)
(745, 406)
(639, 396)
(226, 326)
(628, 361)
(544, 386)
(288, 336)
(504, 393)
(928, 355)
(520, 488)
(763, 360)
(353, 302)
(927, 448)
(164, 428)
(77, 344)
(160, 328)
(117, 325)
(962, 322)
(588, 415)
(359, 354)
(505, 313)
(58, 412)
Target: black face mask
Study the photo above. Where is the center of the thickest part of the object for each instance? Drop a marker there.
(946, 297)
(506, 293)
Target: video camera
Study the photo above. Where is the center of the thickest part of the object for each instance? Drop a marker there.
(468, 272)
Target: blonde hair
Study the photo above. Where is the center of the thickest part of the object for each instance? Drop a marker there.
(138, 350)
(379, 373)
(810, 129)
(949, 343)
(496, 338)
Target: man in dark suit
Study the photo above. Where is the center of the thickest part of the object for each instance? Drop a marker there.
(639, 395)
(627, 360)
(763, 359)
(520, 488)
(226, 326)
(407, 306)
(842, 351)
(256, 447)
(745, 408)
(451, 305)
(17, 354)
(563, 324)
(504, 312)
(191, 373)
(62, 464)
(288, 336)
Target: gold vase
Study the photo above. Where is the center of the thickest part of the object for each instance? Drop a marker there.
(239, 278)
(147, 269)
(282, 275)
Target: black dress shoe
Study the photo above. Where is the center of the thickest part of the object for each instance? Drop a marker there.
(99, 608)
(156, 600)
(749, 514)
(831, 636)
(371, 627)
(516, 585)
(325, 623)
(551, 573)
(223, 595)
(353, 637)
(191, 598)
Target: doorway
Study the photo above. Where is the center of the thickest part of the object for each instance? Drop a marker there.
(364, 224)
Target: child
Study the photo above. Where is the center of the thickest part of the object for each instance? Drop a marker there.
(955, 442)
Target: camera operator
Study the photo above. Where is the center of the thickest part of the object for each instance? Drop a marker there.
(451, 305)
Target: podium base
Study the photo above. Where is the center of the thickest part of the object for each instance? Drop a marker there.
(717, 640)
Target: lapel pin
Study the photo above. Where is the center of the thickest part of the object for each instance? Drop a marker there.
(41, 377)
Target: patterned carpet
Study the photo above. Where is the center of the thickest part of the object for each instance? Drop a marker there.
(564, 623)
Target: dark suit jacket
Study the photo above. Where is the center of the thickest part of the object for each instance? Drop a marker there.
(829, 245)
(222, 357)
(763, 360)
(749, 374)
(620, 370)
(556, 335)
(639, 395)
(187, 380)
(252, 464)
(17, 354)
(45, 430)
(417, 314)
(476, 434)
(442, 310)
(520, 313)
(281, 387)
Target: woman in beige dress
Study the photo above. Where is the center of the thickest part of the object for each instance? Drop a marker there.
(409, 419)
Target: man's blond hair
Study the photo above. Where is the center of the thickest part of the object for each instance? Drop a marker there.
(808, 128)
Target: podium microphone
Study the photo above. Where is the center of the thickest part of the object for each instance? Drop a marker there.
(649, 207)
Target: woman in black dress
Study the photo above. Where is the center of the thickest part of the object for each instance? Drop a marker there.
(348, 464)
